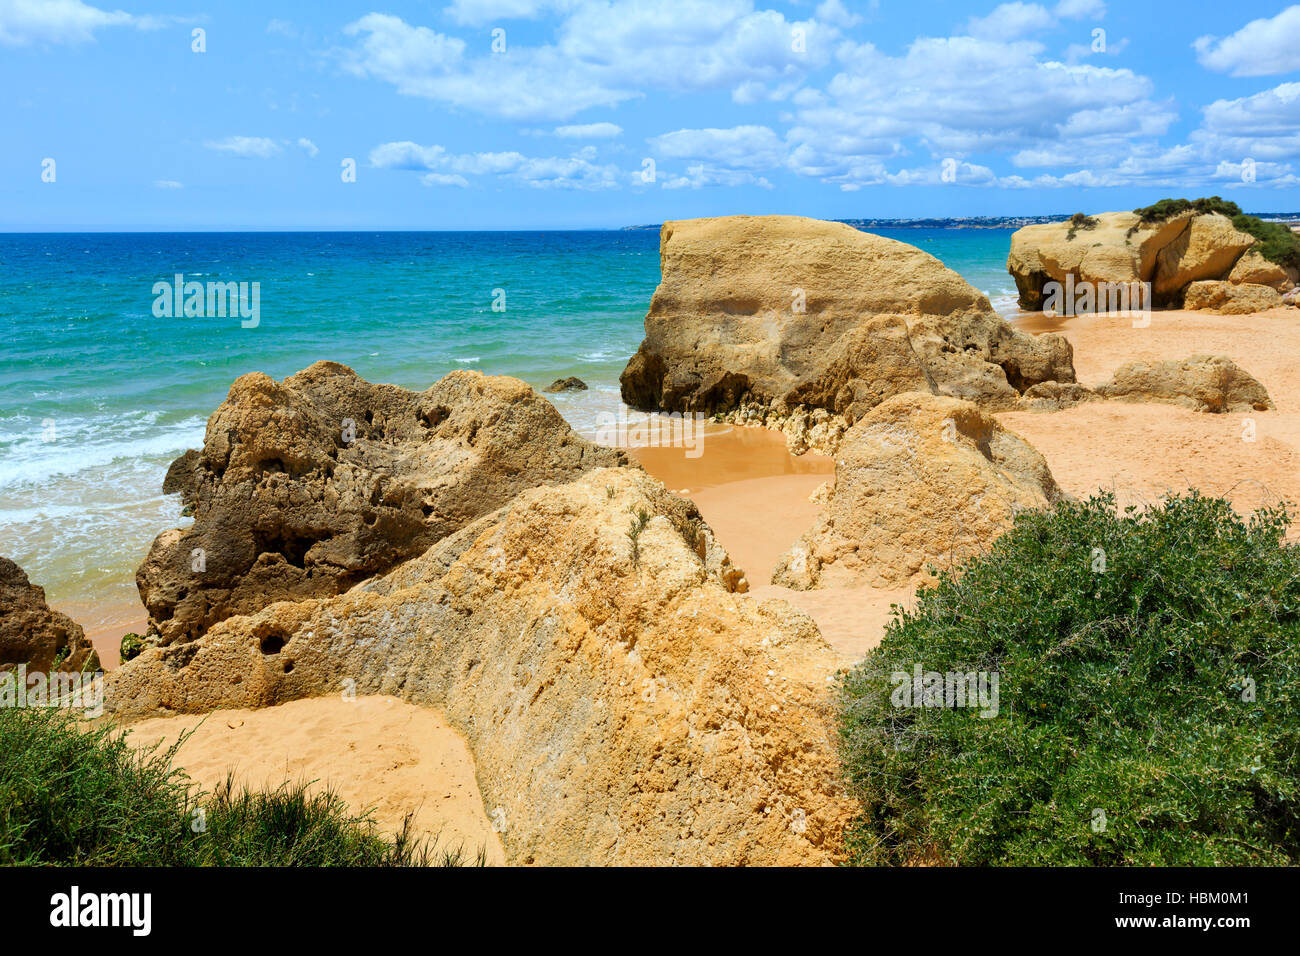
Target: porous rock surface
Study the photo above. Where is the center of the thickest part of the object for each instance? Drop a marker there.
(623, 703)
(308, 486)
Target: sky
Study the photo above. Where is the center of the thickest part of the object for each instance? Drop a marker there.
(555, 114)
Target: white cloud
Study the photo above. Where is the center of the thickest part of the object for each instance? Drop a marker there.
(1260, 48)
(1010, 21)
(442, 168)
(605, 52)
(700, 175)
(741, 147)
(836, 14)
(308, 146)
(167, 184)
(248, 147)
(1264, 126)
(479, 12)
(589, 131)
(24, 22)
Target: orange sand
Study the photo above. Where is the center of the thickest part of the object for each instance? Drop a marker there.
(1143, 450)
(375, 752)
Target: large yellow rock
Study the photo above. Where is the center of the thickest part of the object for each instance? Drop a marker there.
(1207, 249)
(783, 310)
(1121, 248)
(623, 704)
(922, 479)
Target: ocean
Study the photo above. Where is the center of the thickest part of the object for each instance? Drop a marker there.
(98, 393)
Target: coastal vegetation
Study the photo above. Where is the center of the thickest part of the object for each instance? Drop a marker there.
(72, 796)
(1148, 669)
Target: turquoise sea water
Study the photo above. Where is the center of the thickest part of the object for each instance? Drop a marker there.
(98, 395)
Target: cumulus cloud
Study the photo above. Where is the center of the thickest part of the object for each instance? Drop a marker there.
(1010, 21)
(307, 146)
(24, 22)
(1261, 48)
(741, 147)
(605, 52)
(247, 147)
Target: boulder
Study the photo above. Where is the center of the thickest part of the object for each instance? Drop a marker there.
(1206, 383)
(787, 311)
(1207, 249)
(1255, 269)
(1121, 248)
(1229, 298)
(32, 633)
(307, 486)
(624, 705)
(922, 479)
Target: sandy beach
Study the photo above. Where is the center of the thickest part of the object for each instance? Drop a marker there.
(757, 497)
(377, 753)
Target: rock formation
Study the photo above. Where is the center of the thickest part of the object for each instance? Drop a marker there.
(32, 633)
(1206, 383)
(920, 479)
(1254, 269)
(1228, 298)
(308, 486)
(1119, 248)
(570, 384)
(778, 312)
(623, 704)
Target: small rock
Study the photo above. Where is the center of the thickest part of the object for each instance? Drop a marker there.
(570, 384)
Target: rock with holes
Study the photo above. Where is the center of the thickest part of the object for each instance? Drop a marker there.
(307, 486)
(923, 479)
(783, 311)
(32, 633)
(623, 703)
(1206, 383)
(1105, 254)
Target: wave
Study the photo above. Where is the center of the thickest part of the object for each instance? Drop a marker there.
(33, 452)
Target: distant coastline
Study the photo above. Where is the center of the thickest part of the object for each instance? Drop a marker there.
(975, 222)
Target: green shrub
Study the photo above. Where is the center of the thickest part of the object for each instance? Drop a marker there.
(1275, 242)
(69, 796)
(1080, 221)
(131, 646)
(1168, 208)
(1149, 670)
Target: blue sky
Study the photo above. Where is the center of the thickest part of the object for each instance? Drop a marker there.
(828, 108)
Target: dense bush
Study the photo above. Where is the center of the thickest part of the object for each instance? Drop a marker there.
(1276, 243)
(1149, 670)
(71, 796)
